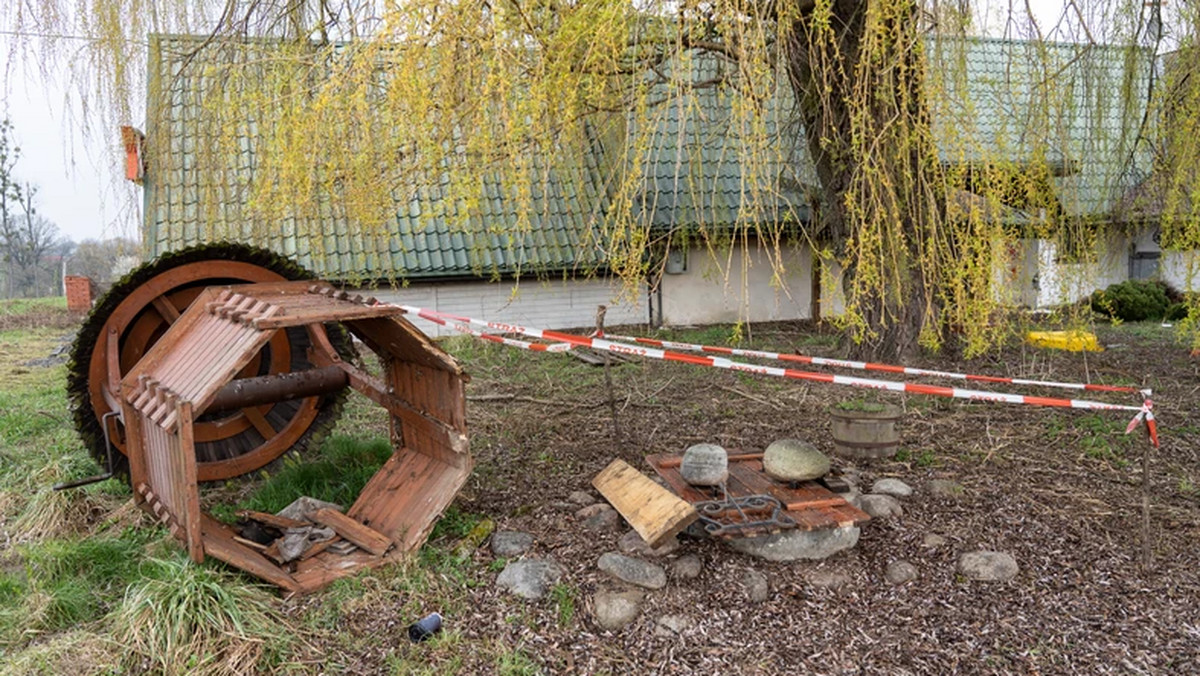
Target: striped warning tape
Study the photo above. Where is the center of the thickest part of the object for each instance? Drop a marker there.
(871, 366)
(564, 341)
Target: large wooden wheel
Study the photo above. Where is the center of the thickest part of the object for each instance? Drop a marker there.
(140, 308)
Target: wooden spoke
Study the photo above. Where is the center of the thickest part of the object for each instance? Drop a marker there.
(259, 421)
(164, 307)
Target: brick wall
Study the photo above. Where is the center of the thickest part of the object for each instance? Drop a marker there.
(80, 293)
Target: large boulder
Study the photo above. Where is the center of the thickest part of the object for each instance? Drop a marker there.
(795, 545)
(794, 460)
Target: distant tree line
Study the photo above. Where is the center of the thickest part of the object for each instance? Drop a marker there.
(34, 256)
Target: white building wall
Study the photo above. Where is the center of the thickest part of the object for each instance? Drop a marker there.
(740, 285)
(559, 304)
(1180, 269)
(1061, 283)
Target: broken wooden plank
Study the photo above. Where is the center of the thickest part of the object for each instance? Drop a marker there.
(364, 536)
(653, 511)
(318, 547)
(280, 522)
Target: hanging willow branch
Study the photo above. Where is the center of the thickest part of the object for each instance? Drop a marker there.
(928, 160)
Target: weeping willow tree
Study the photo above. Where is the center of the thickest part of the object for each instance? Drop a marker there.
(927, 159)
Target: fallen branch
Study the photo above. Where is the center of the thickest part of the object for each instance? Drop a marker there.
(751, 397)
(530, 400)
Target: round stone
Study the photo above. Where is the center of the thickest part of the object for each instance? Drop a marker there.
(899, 572)
(794, 460)
(988, 566)
(704, 465)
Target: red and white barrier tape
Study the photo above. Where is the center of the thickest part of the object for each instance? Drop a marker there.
(870, 366)
(565, 341)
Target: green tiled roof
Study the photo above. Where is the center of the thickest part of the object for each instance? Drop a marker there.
(694, 172)
(1060, 103)
(188, 201)
(986, 110)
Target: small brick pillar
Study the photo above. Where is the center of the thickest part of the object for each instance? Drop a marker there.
(80, 293)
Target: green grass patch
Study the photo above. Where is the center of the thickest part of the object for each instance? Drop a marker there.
(24, 306)
(563, 596)
(66, 583)
(337, 474)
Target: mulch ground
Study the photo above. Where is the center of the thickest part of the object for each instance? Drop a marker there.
(1060, 490)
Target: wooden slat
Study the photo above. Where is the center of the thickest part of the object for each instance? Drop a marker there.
(399, 339)
(334, 311)
(219, 544)
(404, 499)
(364, 536)
(653, 511)
(316, 572)
(184, 469)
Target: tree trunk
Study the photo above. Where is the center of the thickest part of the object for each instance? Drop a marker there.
(856, 74)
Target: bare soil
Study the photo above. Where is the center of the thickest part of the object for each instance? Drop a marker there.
(1059, 489)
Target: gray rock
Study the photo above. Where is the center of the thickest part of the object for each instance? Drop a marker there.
(794, 460)
(592, 510)
(987, 566)
(686, 567)
(511, 543)
(899, 572)
(756, 586)
(828, 579)
(632, 543)
(933, 541)
(582, 498)
(634, 571)
(795, 544)
(615, 609)
(606, 520)
(880, 506)
(704, 465)
(893, 487)
(529, 578)
(302, 506)
(561, 506)
(670, 626)
(945, 488)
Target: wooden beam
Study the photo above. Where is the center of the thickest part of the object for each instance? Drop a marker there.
(364, 536)
(375, 390)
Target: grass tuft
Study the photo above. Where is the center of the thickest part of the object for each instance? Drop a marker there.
(337, 474)
(181, 618)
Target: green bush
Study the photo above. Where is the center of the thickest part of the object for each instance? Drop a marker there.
(1176, 312)
(1133, 300)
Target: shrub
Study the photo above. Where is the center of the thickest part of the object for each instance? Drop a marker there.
(1132, 300)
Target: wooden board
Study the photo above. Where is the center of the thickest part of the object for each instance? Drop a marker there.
(219, 544)
(809, 503)
(364, 536)
(652, 510)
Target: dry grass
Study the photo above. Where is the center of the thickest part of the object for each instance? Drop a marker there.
(187, 619)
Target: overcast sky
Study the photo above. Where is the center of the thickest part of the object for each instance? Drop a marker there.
(80, 182)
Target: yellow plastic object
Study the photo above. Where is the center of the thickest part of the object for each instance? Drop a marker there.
(1072, 341)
